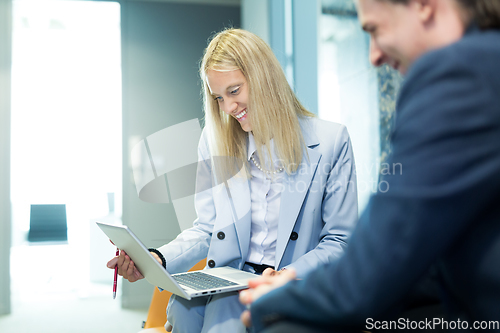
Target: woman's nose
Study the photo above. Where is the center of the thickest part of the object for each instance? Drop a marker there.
(230, 106)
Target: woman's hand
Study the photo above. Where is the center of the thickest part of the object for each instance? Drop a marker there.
(269, 280)
(126, 267)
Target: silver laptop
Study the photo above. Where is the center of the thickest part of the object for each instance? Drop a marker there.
(188, 285)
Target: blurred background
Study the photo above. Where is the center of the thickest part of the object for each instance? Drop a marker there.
(81, 82)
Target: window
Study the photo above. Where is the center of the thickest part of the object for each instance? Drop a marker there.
(348, 90)
(66, 123)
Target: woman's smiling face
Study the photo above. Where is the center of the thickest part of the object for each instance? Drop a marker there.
(230, 90)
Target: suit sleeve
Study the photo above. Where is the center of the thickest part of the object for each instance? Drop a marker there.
(442, 165)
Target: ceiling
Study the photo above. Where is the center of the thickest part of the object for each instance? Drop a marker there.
(202, 2)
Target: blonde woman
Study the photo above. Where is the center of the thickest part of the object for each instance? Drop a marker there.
(293, 201)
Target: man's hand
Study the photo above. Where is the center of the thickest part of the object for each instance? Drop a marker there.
(269, 280)
(271, 272)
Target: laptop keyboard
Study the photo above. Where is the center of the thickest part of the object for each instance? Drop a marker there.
(201, 281)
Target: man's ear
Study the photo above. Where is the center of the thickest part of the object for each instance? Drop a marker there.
(426, 9)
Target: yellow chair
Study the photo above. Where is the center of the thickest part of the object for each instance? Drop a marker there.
(157, 314)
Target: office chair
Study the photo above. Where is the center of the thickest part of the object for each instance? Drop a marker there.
(48, 223)
(157, 313)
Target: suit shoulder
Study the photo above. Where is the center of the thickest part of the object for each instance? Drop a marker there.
(323, 127)
(327, 135)
(463, 71)
(477, 52)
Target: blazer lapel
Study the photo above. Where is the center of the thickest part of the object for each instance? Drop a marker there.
(295, 187)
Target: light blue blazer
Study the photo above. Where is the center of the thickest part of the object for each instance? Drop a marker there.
(318, 209)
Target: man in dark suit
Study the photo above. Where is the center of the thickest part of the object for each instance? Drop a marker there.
(443, 210)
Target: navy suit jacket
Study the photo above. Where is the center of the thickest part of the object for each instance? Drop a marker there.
(443, 209)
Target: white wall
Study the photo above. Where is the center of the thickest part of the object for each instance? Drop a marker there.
(5, 207)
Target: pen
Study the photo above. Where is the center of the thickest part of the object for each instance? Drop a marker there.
(115, 282)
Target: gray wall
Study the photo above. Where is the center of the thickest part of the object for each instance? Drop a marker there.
(162, 44)
(255, 18)
(5, 207)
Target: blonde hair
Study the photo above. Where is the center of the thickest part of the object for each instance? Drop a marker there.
(273, 107)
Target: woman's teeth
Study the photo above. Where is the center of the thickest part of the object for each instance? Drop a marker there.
(241, 114)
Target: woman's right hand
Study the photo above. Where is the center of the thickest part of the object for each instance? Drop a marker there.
(126, 267)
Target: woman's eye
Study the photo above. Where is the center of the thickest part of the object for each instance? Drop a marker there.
(218, 98)
(235, 91)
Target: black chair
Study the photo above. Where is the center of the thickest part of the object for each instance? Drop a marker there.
(48, 223)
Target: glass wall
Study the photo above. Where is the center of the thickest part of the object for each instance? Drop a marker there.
(347, 88)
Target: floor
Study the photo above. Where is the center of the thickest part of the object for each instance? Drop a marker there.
(50, 293)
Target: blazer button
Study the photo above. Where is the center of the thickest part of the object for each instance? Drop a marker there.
(211, 263)
(221, 235)
(294, 236)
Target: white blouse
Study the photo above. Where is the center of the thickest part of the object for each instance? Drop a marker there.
(265, 193)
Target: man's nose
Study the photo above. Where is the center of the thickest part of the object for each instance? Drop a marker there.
(377, 56)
